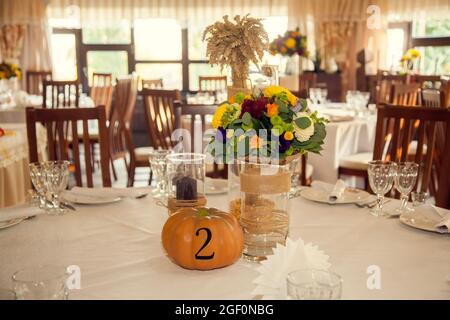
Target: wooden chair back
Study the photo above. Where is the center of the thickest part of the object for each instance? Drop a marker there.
(60, 94)
(212, 83)
(434, 162)
(159, 113)
(427, 81)
(445, 89)
(306, 81)
(405, 94)
(119, 129)
(102, 91)
(385, 82)
(431, 98)
(55, 121)
(152, 83)
(188, 116)
(34, 80)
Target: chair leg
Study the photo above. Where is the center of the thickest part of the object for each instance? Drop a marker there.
(131, 172)
(150, 178)
(93, 156)
(113, 170)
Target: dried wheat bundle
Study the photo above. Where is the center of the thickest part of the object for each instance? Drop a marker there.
(236, 44)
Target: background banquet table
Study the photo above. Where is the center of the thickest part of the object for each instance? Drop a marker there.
(14, 173)
(119, 251)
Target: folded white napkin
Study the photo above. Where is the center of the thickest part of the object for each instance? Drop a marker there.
(334, 191)
(443, 226)
(20, 211)
(110, 192)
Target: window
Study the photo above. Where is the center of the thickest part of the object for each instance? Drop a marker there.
(115, 62)
(398, 38)
(169, 72)
(119, 34)
(64, 56)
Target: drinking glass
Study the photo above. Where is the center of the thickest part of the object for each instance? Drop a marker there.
(6, 294)
(381, 178)
(323, 94)
(37, 178)
(419, 198)
(41, 283)
(158, 165)
(404, 181)
(311, 284)
(56, 178)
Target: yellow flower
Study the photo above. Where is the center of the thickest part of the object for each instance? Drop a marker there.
(256, 142)
(272, 110)
(217, 118)
(413, 53)
(2, 75)
(274, 90)
(290, 43)
(288, 135)
(404, 58)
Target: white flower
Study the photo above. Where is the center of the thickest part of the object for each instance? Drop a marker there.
(303, 135)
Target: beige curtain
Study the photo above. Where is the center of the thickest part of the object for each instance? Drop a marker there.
(30, 16)
(106, 12)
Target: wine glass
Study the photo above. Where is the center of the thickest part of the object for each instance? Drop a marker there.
(56, 178)
(404, 182)
(311, 284)
(37, 178)
(158, 165)
(381, 178)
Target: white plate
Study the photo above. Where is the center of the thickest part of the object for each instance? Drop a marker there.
(417, 219)
(216, 186)
(10, 223)
(350, 195)
(87, 199)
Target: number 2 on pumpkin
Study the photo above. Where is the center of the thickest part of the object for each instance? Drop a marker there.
(208, 239)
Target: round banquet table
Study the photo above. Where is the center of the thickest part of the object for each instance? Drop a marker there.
(14, 173)
(119, 252)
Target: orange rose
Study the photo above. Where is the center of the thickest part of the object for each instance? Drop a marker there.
(272, 110)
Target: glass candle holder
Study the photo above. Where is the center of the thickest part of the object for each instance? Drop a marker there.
(264, 214)
(185, 180)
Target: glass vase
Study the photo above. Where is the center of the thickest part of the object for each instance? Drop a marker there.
(264, 207)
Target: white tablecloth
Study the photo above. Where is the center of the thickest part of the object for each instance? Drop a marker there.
(119, 251)
(14, 173)
(343, 139)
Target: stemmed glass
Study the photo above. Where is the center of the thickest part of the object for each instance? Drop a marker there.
(158, 165)
(311, 284)
(381, 178)
(404, 182)
(56, 178)
(37, 178)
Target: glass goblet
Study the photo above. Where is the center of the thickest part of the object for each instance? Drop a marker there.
(37, 178)
(56, 178)
(311, 284)
(405, 179)
(381, 178)
(158, 165)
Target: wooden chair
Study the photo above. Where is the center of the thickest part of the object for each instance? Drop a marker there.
(445, 89)
(34, 81)
(102, 91)
(306, 81)
(426, 81)
(434, 164)
(185, 117)
(385, 82)
(152, 83)
(119, 130)
(212, 83)
(405, 94)
(60, 94)
(55, 121)
(431, 98)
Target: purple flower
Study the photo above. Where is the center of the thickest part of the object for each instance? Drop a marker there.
(284, 144)
(256, 108)
(221, 135)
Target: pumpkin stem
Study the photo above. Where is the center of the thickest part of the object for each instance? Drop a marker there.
(202, 212)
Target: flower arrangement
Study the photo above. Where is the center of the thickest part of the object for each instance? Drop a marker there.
(409, 58)
(290, 44)
(9, 70)
(274, 124)
(236, 45)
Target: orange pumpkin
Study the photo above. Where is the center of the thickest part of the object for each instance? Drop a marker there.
(202, 238)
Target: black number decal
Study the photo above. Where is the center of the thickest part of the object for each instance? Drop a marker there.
(208, 239)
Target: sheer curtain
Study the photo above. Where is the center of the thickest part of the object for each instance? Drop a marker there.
(30, 17)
